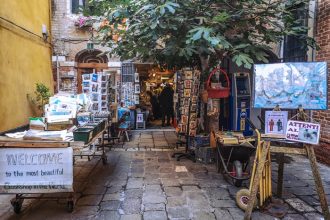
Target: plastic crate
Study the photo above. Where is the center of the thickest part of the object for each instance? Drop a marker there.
(83, 134)
(202, 141)
(191, 143)
(205, 155)
(93, 126)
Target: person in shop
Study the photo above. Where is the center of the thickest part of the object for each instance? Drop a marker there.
(166, 104)
(154, 105)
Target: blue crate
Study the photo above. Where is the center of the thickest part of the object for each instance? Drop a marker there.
(202, 141)
(205, 155)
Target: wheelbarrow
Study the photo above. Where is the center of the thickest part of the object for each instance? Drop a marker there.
(234, 160)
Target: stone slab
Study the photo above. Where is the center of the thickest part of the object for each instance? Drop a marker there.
(155, 215)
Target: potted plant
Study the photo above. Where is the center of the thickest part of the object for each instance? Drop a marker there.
(41, 97)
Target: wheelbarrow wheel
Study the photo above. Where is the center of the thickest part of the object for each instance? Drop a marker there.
(70, 206)
(242, 199)
(17, 207)
(17, 204)
(239, 173)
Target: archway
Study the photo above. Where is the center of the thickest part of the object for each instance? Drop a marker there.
(89, 61)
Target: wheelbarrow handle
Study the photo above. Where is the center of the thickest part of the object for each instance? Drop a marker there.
(250, 123)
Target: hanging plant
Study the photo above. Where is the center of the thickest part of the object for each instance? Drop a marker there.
(83, 21)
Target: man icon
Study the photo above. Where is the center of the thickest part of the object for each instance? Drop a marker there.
(271, 125)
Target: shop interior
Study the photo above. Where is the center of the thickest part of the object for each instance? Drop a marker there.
(153, 80)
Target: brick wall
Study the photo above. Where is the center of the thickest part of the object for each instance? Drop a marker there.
(66, 36)
(68, 40)
(323, 40)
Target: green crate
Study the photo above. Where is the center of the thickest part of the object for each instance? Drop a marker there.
(95, 126)
(83, 134)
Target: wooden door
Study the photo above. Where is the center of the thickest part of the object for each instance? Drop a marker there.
(80, 72)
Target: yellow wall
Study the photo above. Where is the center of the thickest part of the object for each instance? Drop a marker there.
(25, 59)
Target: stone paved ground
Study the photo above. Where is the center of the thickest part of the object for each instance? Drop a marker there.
(148, 140)
(144, 184)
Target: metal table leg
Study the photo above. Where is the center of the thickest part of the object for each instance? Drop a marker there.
(280, 158)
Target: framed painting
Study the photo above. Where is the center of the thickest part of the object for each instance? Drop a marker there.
(290, 85)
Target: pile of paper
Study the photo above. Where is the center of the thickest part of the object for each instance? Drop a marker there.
(61, 108)
(16, 134)
(45, 135)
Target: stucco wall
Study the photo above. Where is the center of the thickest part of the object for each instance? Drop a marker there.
(25, 59)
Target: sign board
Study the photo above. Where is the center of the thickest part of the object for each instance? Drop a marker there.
(67, 63)
(114, 64)
(275, 123)
(304, 132)
(36, 170)
(139, 117)
(58, 58)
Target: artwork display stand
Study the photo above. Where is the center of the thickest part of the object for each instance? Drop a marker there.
(188, 134)
(307, 150)
(188, 153)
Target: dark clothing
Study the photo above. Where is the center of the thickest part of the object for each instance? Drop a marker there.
(166, 98)
(168, 115)
(155, 106)
(166, 103)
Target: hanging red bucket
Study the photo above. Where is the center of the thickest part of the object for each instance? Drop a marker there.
(217, 92)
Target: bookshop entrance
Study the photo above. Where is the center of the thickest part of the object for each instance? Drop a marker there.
(156, 95)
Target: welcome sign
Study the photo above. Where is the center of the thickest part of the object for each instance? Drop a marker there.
(304, 132)
(36, 170)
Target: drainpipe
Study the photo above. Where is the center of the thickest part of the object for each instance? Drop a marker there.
(312, 24)
(57, 73)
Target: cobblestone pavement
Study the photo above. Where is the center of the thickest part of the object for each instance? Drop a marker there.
(143, 183)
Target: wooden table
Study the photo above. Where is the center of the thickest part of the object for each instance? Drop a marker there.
(79, 149)
(283, 148)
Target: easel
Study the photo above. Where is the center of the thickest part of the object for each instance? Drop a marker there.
(308, 151)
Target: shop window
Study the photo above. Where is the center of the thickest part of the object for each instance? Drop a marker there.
(76, 5)
(295, 48)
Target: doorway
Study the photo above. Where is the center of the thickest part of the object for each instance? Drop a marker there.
(153, 80)
(89, 61)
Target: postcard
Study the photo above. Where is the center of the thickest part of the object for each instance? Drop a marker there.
(95, 87)
(86, 77)
(188, 74)
(137, 78)
(137, 88)
(94, 77)
(187, 84)
(187, 93)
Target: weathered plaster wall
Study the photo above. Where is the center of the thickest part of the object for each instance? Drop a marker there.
(25, 59)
